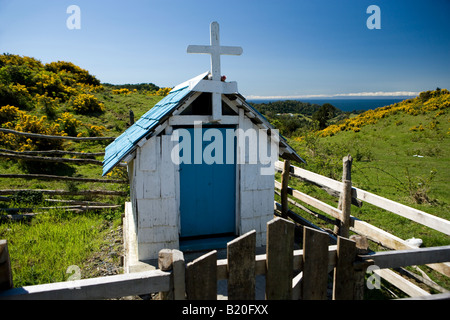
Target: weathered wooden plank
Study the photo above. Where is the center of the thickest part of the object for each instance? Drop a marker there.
(439, 296)
(50, 159)
(241, 267)
(35, 135)
(96, 288)
(403, 258)
(322, 206)
(284, 187)
(61, 152)
(280, 257)
(344, 277)
(393, 242)
(201, 277)
(403, 284)
(64, 192)
(62, 178)
(315, 264)
(413, 214)
(6, 281)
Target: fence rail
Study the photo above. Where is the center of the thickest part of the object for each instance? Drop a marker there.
(413, 214)
(42, 136)
(343, 220)
(290, 274)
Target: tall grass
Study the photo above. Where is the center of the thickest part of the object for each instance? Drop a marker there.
(42, 250)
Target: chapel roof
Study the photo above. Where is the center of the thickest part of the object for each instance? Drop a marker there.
(143, 128)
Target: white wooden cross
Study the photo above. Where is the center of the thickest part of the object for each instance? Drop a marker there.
(217, 87)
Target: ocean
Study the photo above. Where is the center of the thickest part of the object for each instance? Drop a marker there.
(347, 104)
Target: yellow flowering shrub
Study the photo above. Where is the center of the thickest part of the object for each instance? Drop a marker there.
(96, 131)
(72, 71)
(69, 124)
(47, 104)
(31, 124)
(123, 91)
(8, 114)
(428, 101)
(163, 92)
(417, 128)
(87, 104)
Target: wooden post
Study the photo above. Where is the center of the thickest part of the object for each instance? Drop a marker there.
(344, 274)
(201, 277)
(315, 264)
(179, 275)
(241, 267)
(173, 260)
(345, 200)
(284, 188)
(280, 259)
(6, 281)
(165, 263)
(131, 117)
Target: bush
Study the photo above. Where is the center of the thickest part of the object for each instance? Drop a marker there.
(87, 104)
(68, 69)
(47, 104)
(69, 124)
(31, 124)
(8, 114)
(96, 131)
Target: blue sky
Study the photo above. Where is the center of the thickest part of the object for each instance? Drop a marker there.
(291, 49)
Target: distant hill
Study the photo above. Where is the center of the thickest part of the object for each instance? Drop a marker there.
(287, 106)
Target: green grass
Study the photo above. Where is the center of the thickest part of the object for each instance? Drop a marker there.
(43, 249)
(385, 162)
(389, 169)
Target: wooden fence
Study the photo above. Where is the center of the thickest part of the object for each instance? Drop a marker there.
(309, 273)
(83, 158)
(344, 222)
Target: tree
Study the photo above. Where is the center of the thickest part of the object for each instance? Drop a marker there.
(325, 113)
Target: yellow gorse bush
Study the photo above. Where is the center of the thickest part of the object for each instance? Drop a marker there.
(86, 104)
(8, 114)
(69, 124)
(123, 91)
(163, 92)
(27, 123)
(96, 131)
(435, 100)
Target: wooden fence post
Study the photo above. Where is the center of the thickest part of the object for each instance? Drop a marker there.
(284, 188)
(173, 260)
(131, 117)
(165, 263)
(345, 200)
(315, 264)
(179, 275)
(279, 259)
(344, 273)
(201, 277)
(241, 267)
(6, 281)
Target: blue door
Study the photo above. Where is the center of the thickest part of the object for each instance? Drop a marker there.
(208, 191)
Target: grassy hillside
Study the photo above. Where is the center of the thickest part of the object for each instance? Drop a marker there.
(61, 98)
(401, 152)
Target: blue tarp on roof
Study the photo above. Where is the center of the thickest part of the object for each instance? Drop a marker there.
(126, 142)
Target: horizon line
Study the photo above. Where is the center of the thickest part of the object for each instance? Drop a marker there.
(353, 95)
